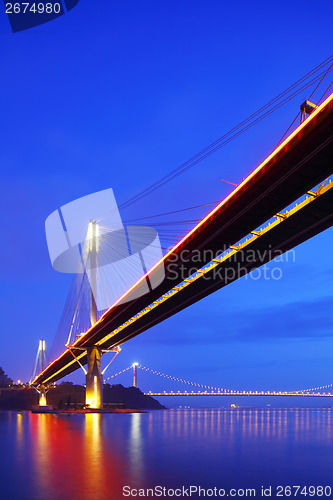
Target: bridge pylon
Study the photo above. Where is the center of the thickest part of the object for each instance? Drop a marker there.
(135, 374)
(42, 388)
(42, 396)
(94, 375)
(94, 378)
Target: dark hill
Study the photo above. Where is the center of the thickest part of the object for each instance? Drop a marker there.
(67, 394)
(18, 399)
(4, 380)
(132, 397)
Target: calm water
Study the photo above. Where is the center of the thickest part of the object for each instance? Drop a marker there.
(94, 456)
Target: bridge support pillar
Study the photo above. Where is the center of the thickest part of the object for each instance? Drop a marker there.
(42, 396)
(94, 379)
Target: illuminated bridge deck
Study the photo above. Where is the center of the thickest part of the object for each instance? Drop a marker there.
(242, 393)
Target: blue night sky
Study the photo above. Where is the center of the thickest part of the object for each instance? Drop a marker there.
(117, 94)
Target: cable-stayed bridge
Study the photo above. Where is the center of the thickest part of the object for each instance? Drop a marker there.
(215, 252)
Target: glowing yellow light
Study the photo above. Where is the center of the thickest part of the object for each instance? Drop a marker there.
(135, 364)
(42, 345)
(42, 400)
(95, 391)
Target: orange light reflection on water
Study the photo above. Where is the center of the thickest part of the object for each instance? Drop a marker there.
(73, 459)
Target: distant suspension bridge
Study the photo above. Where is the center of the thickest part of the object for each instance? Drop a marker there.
(207, 390)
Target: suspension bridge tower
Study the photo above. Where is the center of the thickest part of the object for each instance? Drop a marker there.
(40, 364)
(42, 390)
(135, 374)
(94, 378)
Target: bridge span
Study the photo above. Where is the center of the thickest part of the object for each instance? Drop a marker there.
(208, 390)
(302, 161)
(241, 393)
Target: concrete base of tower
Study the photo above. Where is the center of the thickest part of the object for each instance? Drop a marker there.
(94, 379)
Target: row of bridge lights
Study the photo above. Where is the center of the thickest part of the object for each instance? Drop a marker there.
(217, 390)
(176, 379)
(267, 393)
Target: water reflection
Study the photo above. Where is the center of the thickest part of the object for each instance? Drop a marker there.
(93, 456)
(19, 429)
(70, 455)
(272, 424)
(136, 449)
